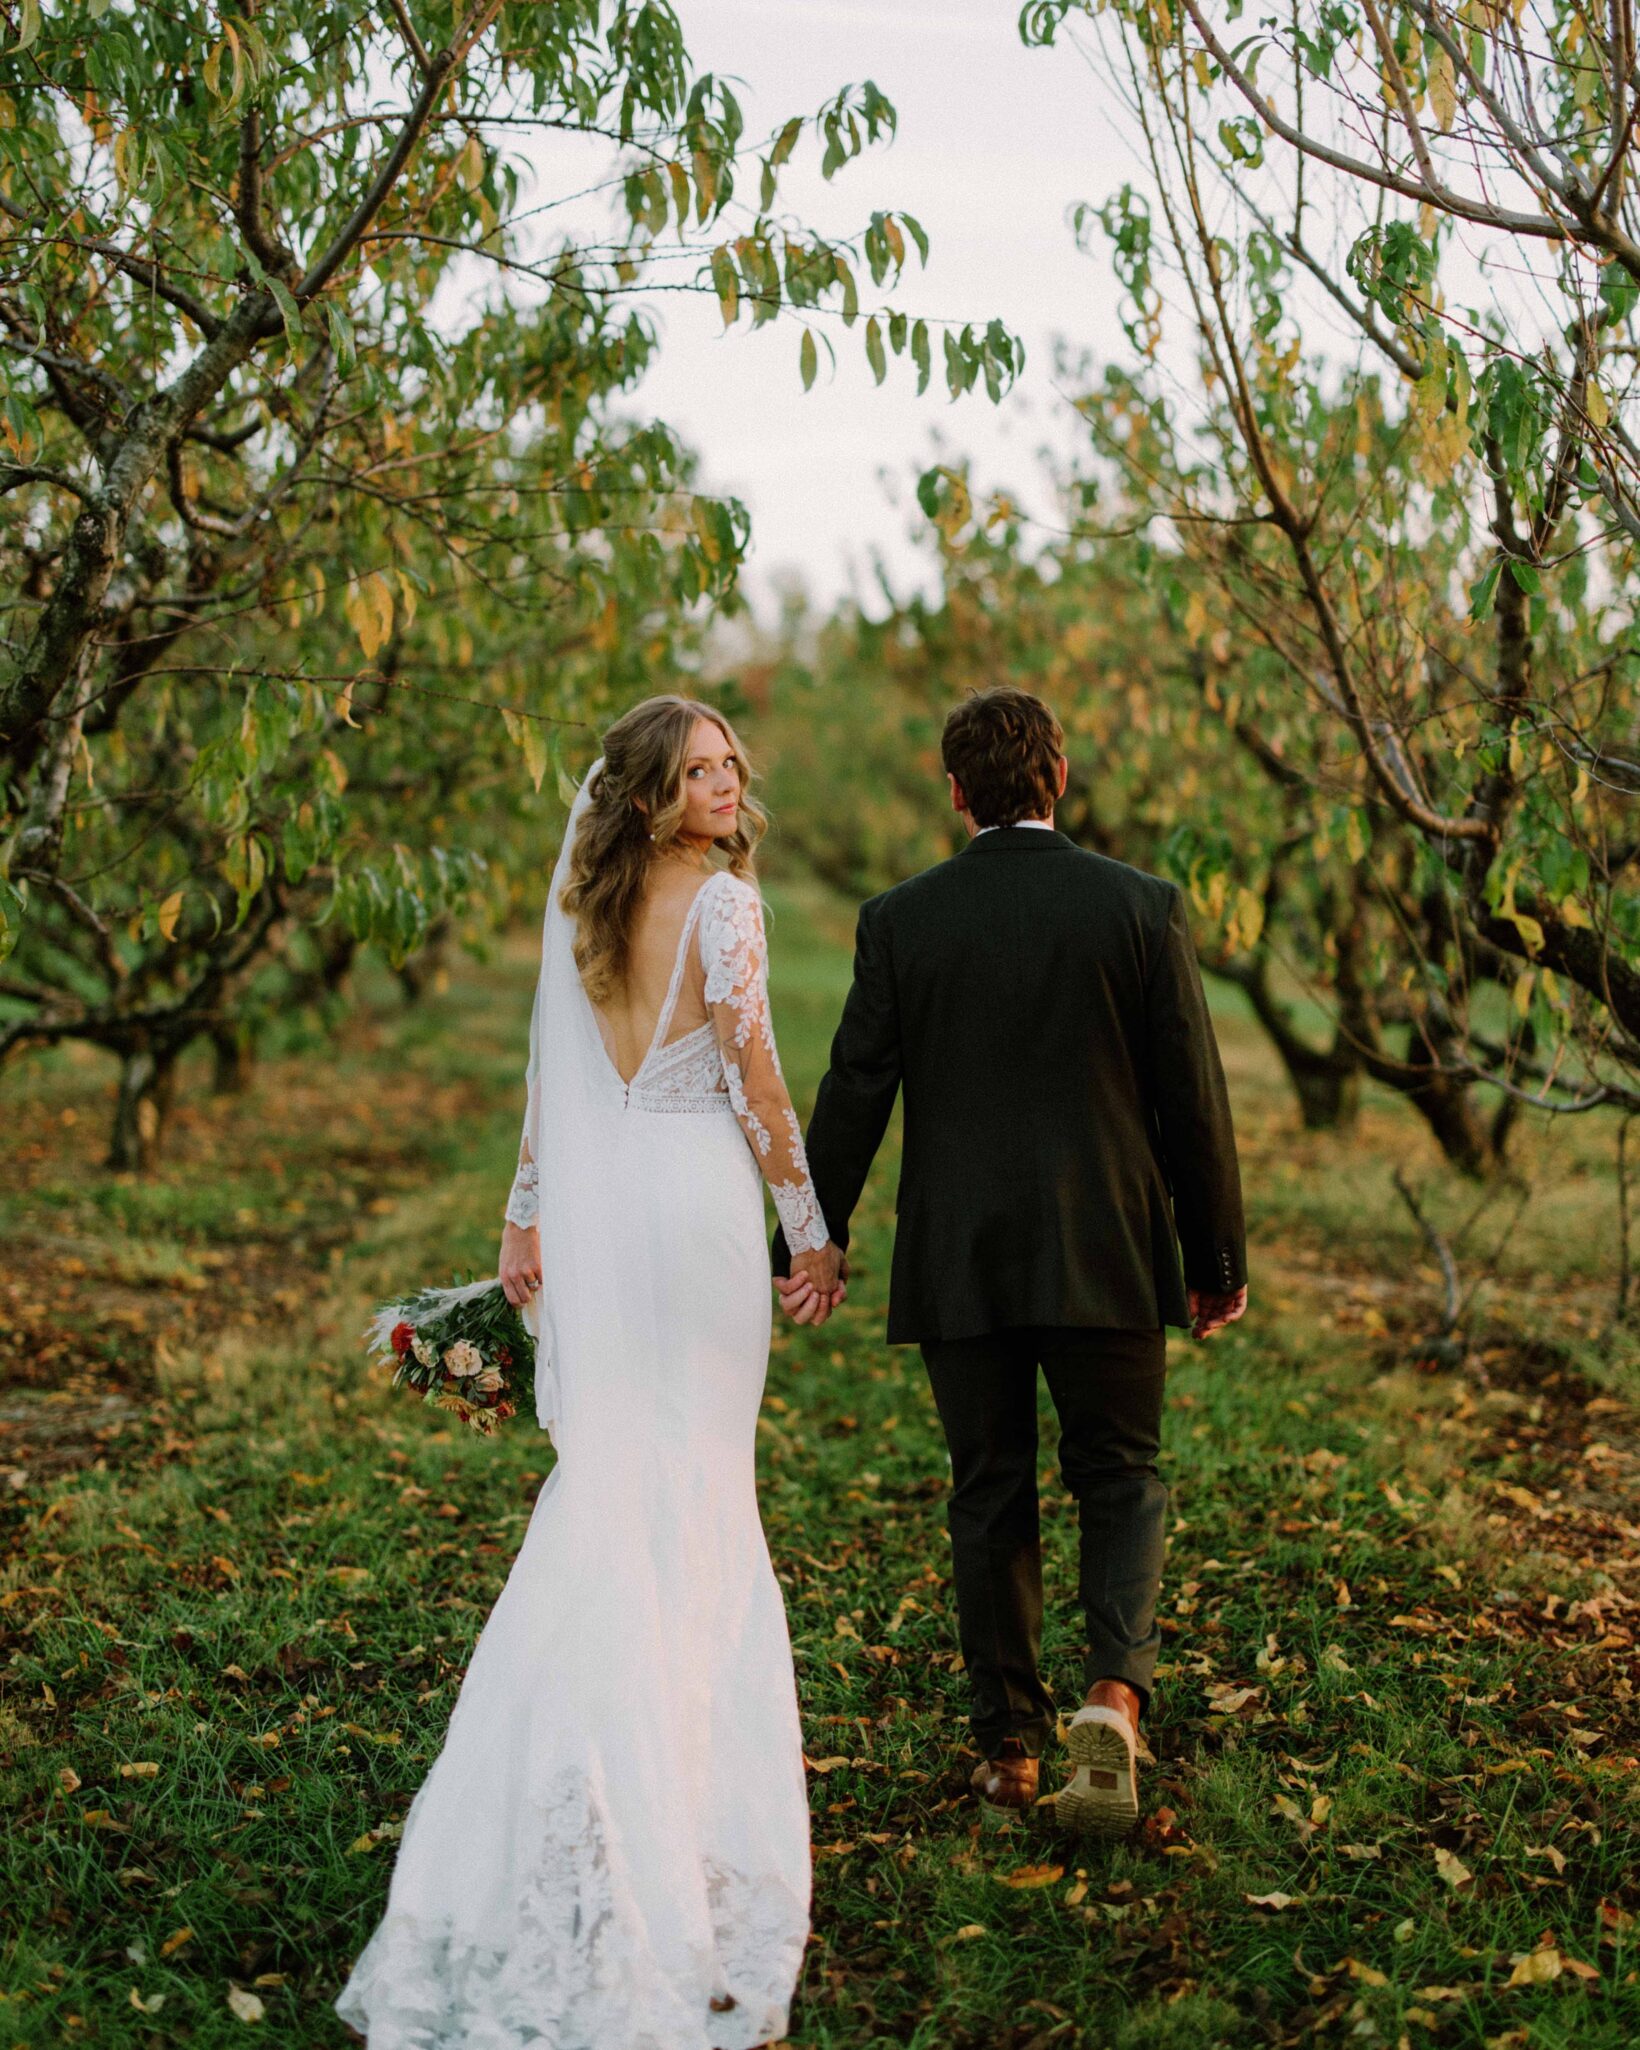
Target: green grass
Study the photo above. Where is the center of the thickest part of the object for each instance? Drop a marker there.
(1395, 1600)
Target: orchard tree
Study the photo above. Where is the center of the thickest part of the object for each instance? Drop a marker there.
(1422, 544)
(322, 483)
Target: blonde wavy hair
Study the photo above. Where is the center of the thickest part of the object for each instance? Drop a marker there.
(635, 811)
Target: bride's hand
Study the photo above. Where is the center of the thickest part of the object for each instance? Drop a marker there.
(520, 1263)
(815, 1286)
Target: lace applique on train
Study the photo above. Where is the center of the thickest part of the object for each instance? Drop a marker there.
(571, 1972)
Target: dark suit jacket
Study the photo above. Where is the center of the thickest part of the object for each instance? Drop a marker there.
(1066, 1122)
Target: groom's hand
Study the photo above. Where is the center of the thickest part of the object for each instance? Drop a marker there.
(815, 1286)
(1210, 1312)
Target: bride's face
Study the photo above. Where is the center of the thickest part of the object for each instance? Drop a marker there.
(711, 785)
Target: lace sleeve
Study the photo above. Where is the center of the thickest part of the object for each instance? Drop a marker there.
(735, 956)
(523, 1200)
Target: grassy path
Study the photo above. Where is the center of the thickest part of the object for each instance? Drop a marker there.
(1397, 1733)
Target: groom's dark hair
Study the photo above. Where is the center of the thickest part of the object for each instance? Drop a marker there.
(1003, 747)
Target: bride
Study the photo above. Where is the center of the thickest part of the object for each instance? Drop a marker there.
(611, 1851)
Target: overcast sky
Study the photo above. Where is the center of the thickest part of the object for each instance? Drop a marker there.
(995, 141)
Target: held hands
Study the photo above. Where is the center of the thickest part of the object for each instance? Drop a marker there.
(519, 1265)
(815, 1286)
(1210, 1312)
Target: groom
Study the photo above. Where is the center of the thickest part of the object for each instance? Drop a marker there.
(1066, 1134)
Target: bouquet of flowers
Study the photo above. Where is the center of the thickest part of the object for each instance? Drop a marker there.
(463, 1349)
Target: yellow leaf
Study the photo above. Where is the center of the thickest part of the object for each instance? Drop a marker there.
(1443, 91)
(1452, 1868)
(1365, 1973)
(1523, 991)
(151, 2005)
(243, 2006)
(1249, 917)
(969, 1931)
(1277, 1901)
(1572, 913)
(1594, 404)
(535, 750)
(369, 607)
(1536, 1968)
(142, 1769)
(68, 1779)
(175, 1941)
(168, 914)
(1032, 1875)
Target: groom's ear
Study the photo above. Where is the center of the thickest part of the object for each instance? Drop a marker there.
(958, 801)
(1062, 776)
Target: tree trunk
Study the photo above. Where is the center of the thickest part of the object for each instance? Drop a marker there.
(1326, 1080)
(234, 1046)
(147, 1085)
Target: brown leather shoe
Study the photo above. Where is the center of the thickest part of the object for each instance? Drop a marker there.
(1009, 1780)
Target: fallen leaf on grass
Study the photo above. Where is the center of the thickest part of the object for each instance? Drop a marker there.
(175, 1941)
(1276, 1901)
(1452, 1868)
(1231, 1700)
(383, 1833)
(140, 1769)
(1536, 1968)
(1366, 1974)
(371, 1736)
(151, 2005)
(824, 1765)
(68, 1779)
(1077, 1894)
(1031, 1875)
(1361, 1852)
(969, 1931)
(1334, 1661)
(1552, 1852)
(243, 2006)
(99, 1818)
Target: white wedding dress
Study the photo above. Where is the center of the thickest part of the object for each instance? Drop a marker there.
(611, 1851)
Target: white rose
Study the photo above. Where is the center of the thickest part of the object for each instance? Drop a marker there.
(424, 1353)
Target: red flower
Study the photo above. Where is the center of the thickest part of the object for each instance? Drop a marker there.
(400, 1337)
(505, 1409)
(503, 1357)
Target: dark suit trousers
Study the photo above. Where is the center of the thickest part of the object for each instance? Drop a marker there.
(1107, 1388)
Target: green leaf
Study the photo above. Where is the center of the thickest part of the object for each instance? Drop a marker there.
(341, 335)
(11, 917)
(1525, 575)
(920, 355)
(1482, 593)
(786, 141)
(874, 349)
(808, 358)
(289, 312)
(725, 279)
(28, 24)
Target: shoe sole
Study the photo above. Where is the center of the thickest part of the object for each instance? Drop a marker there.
(1101, 1797)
